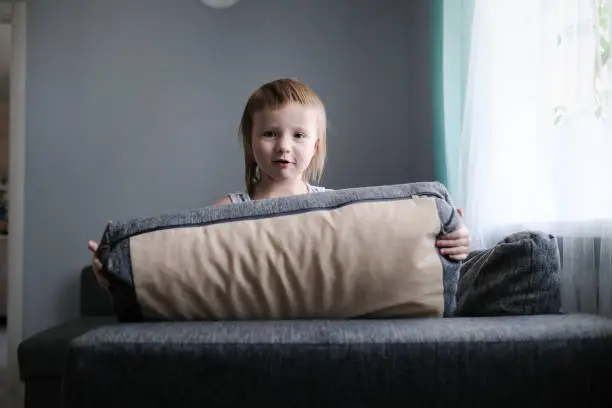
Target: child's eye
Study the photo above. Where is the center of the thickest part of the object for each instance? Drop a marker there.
(269, 133)
(300, 135)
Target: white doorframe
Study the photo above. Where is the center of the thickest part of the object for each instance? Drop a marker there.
(17, 135)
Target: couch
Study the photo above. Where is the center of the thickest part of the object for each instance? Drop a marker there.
(515, 361)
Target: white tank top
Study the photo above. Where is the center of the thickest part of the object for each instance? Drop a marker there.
(243, 196)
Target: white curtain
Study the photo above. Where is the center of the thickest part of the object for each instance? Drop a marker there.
(537, 134)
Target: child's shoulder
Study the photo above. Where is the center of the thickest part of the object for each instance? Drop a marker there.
(317, 189)
(241, 196)
(235, 197)
(227, 199)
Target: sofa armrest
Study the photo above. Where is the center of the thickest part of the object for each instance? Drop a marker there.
(44, 355)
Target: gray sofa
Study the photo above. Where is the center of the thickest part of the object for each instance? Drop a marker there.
(515, 361)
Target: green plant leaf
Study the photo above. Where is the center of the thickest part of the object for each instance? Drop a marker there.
(605, 52)
(599, 112)
(558, 114)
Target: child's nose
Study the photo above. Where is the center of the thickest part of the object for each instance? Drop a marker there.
(283, 144)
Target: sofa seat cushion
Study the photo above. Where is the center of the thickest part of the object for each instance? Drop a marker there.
(487, 361)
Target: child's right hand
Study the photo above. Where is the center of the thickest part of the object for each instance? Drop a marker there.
(97, 265)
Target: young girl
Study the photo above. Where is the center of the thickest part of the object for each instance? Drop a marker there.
(283, 131)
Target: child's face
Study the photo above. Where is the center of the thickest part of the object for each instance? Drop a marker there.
(285, 140)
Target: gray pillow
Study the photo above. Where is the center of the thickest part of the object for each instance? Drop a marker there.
(519, 275)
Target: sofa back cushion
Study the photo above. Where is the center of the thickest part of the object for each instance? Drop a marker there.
(93, 299)
(361, 252)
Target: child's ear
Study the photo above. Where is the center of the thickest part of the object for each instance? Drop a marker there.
(317, 145)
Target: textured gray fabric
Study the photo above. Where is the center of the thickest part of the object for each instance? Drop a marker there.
(520, 275)
(528, 361)
(241, 196)
(114, 250)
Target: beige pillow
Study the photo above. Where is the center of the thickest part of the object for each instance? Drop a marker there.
(362, 252)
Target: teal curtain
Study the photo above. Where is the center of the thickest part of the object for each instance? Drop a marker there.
(451, 23)
(437, 52)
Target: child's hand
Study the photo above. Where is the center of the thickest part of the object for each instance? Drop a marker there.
(455, 245)
(97, 265)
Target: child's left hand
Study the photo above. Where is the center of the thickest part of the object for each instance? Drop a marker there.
(455, 245)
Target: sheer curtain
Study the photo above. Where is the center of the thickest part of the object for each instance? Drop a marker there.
(537, 135)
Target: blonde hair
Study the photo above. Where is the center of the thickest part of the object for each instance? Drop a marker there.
(274, 95)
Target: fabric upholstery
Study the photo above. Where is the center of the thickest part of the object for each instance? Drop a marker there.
(358, 252)
(527, 361)
(519, 275)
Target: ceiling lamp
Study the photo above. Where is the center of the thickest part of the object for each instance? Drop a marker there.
(219, 4)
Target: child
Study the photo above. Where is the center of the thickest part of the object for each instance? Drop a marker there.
(283, 130)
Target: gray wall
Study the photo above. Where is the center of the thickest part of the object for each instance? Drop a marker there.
(133, 109)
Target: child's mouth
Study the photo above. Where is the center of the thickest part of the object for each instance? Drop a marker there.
(283, 163)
